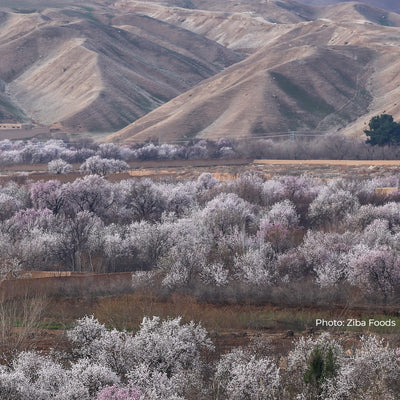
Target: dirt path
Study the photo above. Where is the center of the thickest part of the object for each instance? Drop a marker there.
(358, 163)
(222, 169)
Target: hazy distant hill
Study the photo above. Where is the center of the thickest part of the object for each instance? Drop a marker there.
(390, 5)
(332, 70)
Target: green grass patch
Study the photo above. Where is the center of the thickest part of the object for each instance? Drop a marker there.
(276, 320)
(43, 324)
(54, 325)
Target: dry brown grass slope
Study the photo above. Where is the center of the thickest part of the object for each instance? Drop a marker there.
(98, 69)
(390, 5)
(104, 64)
(282, 11)
(243, 26)
(227, 21)
(328, 74)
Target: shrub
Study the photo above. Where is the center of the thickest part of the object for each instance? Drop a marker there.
(283, 213)
(375, 270)
(313, 363)
(331, 206)
(225, 212)
(327, 255)
(371, 372)
(59, 166)
(244, 376)
(256, 266)
(117, 393)
(103, 166)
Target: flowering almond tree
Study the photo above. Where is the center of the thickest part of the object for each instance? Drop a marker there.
(103, 166)
(59, 166)
(117, 393)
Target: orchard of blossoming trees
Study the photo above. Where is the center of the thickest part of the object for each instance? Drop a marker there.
(251, 237)
(290, 239)
(59, 154)
(168, 360)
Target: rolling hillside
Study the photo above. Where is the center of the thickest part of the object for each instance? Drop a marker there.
(330, 73)
(79, 67)
(390, 5)
(175, 69)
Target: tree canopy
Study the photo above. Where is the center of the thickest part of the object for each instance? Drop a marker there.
(383, 130)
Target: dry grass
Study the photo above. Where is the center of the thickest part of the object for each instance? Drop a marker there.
(224, 176)
(220, 168)
(18, 320)
(361, 163)
(69, 285)
(44, 274)
(309, 85)
(35, 323)
(72, 80)
(386, 191)
(127, 311)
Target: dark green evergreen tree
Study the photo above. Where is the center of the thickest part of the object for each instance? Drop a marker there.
(383, 131)
(322, 365)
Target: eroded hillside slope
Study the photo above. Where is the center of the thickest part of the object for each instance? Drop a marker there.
(198, 68)
(92, 70)
(329, 73)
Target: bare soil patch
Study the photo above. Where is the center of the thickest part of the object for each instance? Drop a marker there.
(222, 169)
(348, 163)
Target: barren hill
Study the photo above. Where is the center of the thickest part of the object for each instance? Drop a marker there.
(242, 26)
(198, 68)
(390, 5)
(94, 70)
(332, 70)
